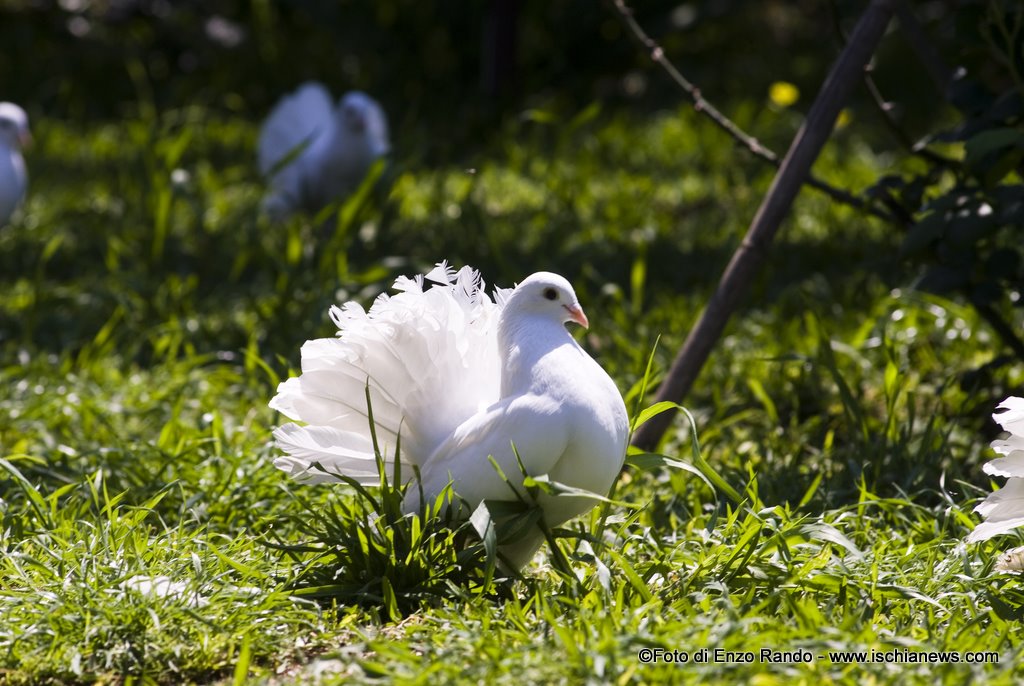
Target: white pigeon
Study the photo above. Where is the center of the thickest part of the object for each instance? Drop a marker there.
(313, 153)
(461, 378)
(14, 135)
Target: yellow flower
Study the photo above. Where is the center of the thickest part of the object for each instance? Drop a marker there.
(843, 119)
(783, 94)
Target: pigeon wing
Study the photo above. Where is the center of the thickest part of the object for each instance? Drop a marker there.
(535, 425)
(294, 124)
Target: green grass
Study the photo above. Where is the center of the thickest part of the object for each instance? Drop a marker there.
(147, 314)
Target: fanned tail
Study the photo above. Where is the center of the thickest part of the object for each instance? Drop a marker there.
(428, 357)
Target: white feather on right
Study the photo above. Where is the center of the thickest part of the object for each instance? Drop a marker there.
(1003, 510)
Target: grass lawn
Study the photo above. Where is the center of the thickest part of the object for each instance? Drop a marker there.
(147, 313)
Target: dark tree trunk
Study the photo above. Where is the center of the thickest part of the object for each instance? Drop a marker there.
(845, 75)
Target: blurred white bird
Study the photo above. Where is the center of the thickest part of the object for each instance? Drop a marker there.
(461, 378)
(14, 135)
(313, 153)
(1003, 510)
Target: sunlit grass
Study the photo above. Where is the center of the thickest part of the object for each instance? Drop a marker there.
(147, 313)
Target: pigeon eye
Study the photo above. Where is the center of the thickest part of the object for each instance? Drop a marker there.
(551, 294)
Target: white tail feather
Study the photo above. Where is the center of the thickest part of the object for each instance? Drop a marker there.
(317, 454)
(429, 359)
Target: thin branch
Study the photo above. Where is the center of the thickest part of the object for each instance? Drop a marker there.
(806, 146)
(885, 107)
(758, 149)
(699, 103)
(1006, 55)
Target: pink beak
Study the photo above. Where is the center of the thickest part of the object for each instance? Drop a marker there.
(576, 314)
(25, 138)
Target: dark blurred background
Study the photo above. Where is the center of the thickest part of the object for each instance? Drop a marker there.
(441, 66)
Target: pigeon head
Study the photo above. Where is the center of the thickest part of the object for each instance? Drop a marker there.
(13, 125)
(356, 108)
(547, 295)
(360, 115)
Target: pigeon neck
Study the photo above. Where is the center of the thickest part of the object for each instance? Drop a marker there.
(524, 340)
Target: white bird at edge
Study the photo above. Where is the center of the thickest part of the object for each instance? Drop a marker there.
(1003, 510)
(313, 153)
(14, 135)
(461, 378)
